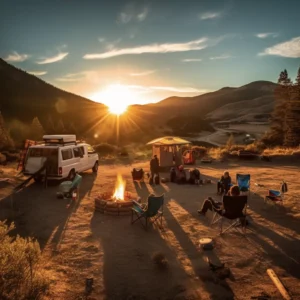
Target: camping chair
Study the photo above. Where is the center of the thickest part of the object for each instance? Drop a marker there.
(234, 208)
(243, 182)
(67, 188)
(152, 212)
(277, 196)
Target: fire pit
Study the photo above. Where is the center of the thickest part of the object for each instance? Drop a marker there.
(118, 203)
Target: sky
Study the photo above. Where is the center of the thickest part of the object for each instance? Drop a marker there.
(145, 51)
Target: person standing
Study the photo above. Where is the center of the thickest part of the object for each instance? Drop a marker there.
(154, 168)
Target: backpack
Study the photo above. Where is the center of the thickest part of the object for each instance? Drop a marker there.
(156, 179)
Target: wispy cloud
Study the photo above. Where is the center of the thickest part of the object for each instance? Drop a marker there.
(266, 35)
(143, 14)
(145, 73)
(16, 57)
(167, 88)
(209, 15)
(220, 57)
(192, 60)
(133, 13)
(53, 59)
(71, 77)
(153, 48)
(289, 48)
(37, 73)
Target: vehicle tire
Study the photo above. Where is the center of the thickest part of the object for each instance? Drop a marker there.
(38, 178)
(71, 175)
(95, 167)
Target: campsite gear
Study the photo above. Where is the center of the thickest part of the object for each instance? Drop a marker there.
(164, 180)
(206, 243)
(189, 157)
(214, 267)
(137, 174)
(67, 188)
(173, 175)
(243, 182)
(277, 196)
(168, 149)
(89, 285)
(156, 179)
(278, 284)
(233, 210)
(152, 212)
(150, 180)
(194, 176)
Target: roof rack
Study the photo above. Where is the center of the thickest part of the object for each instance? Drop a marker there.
(60, 140)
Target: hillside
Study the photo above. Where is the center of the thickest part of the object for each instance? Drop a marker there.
(24, 96)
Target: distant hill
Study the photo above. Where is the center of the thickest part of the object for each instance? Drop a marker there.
(24, 96)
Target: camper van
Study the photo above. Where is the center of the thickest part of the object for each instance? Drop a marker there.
(65, 155)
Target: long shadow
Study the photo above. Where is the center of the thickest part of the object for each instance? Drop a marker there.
(128, 267)
(141, 189)
(199, 265)
(39, 214)
(286, 257)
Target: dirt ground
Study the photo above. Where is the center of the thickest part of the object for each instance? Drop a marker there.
(80, 243)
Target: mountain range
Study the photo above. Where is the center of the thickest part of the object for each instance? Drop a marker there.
(24, 96)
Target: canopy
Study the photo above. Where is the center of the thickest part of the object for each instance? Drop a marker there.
(168, 141)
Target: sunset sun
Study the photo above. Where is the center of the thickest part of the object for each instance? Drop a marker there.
(116, 97)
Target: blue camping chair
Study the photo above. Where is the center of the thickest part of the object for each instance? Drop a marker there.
(66, 188)
(153, 211)
(243, 182)
(277, 196)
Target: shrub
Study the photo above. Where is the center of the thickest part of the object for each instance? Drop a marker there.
(21, 274)
(160, 260)
(105, 148)
(124, 152)
(200, 150)
(10, 157)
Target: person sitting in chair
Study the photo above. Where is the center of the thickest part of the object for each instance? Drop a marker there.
(180, 175)
(210, 204)
(224, 183)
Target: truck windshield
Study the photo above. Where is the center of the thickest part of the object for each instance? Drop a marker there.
(42, 152)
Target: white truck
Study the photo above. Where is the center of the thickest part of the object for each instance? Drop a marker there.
(66, 157)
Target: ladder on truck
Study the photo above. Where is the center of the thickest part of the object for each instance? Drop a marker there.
(23, 153)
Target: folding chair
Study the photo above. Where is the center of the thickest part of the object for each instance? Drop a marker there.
(277, 196)
(66, 188)
(243, 182)
(152, 212)
(234, 209)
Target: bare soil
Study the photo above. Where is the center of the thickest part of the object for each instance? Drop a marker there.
(80, 243)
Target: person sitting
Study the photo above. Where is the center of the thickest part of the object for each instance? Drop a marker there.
(210, 204)
(180, 175)
(224, 183)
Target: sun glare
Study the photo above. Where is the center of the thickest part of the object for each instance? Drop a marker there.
(116, 97)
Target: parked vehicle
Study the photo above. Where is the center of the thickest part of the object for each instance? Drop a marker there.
(65, 156)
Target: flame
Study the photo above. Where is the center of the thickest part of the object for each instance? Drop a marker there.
(120, 189)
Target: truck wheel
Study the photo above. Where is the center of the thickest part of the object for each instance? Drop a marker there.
(95, 167)
(71, 175)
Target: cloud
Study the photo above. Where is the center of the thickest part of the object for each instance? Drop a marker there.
(266, 35)
(71, 77)
(145, 73)
(209, 15)
(143, 14)
(16, 57)
(53, 59)
(192, 60)
(220, 57)
(133, 13)
(153, 48)
(167, 88)
(289, 48)
(101, 40)
(37, 73)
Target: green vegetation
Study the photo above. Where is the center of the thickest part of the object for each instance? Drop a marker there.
(21, 267)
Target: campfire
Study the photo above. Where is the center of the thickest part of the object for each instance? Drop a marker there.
(117, 203)
(119, 194)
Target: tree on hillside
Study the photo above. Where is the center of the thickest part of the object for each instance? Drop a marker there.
(50, 125)
(60, 127)
(36, 130)
(292, 135)
(230, 142)
(5, 139)
(276, 135)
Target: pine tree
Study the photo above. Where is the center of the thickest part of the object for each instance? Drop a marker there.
(5, 139)
(36, 130)
(292, 136)
(230, 142)
(278, 118)
(60, 127)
